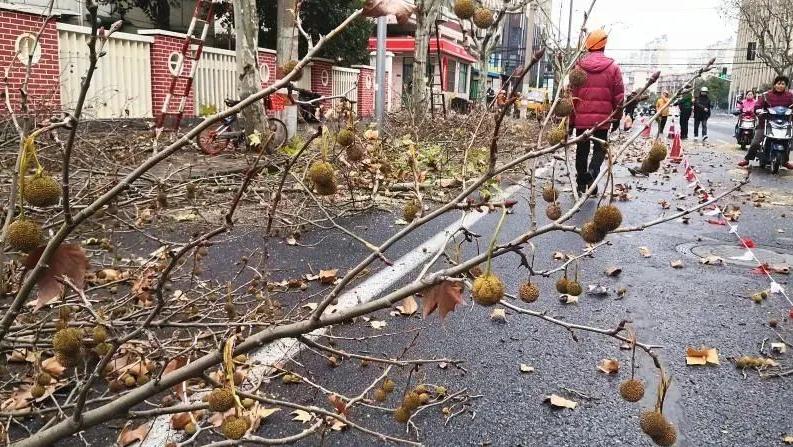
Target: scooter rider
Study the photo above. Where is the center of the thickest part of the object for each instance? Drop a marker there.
(745, 108)
(778, 96)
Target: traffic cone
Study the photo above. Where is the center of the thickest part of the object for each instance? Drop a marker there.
(646, 129)
(672, 132)
(677, 150)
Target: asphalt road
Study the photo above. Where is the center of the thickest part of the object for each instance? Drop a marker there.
(675, 308)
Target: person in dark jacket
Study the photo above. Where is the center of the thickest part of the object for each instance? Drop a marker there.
(596, 104)
(685, 104)
(702, 113)
(630, 105)
(778, 96)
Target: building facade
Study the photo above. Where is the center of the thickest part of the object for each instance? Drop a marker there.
(749, 72)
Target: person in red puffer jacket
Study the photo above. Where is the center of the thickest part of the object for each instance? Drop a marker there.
(779, 95)
(595, 103)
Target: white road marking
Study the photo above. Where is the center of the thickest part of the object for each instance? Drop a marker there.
(274, 353)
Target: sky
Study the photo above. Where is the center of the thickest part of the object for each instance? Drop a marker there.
(689, 24)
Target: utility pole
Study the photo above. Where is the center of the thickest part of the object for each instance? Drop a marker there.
(569, 24)
(380, 73)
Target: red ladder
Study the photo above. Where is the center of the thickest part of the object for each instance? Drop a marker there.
(182, 83)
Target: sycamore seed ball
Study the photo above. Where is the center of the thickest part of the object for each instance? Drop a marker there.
(529, 292)
(557, 134)
(99, 334)
(43, 379)
(607, 218)
(321, 173)
(41, 190)
(562, 285)
(550, 194)
(355, 152)
(591, 233)
(326, 189)
(574, 288)
(667, 437)
(234, 427)
(411, 210)
(388, 385)
(658, 151)
(632, 390)
(37, 391)
(564, 107)
(577, 77)
(483, 18)
(652, 422)
(220, 399)
(401, 414)
(24, 235)
(67, 342)
(553, 211)
(190, 428)
(380, 395)
(488, 289)
(345, 137)
(412, 401)
(649, 166)
(464, 9)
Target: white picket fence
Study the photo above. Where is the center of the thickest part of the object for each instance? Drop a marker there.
(215, 79)
(344, 79)
(121, 86)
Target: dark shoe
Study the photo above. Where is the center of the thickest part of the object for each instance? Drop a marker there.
(788, 165)
(636, 172)
(744, 163)
(704, 138)
(581, 189)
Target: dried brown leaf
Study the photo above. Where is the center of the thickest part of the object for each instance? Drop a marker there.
(130, 435)
(444, 296)
(53, 367)
(609, 366)
(328, 276)
(613, 271)
(408, 306)
(702, 356)
(560, 402)
(68, 261)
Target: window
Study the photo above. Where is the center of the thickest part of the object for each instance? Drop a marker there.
(264, 73)
(751, 51)
(174, 62)
(451, 74)
(27, 50)
(463, 80)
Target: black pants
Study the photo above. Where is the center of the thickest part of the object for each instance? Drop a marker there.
(661, 125)
(584, 175)
(697, 122)
(685, 115)
(757, 141)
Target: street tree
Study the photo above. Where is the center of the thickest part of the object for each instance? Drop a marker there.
(769, 24)
(159, 11)
(426, 13)
(246, 28)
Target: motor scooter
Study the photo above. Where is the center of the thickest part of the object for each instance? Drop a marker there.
(778, 137)
(744, 130)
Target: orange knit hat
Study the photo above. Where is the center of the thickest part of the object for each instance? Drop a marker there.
(596, 40)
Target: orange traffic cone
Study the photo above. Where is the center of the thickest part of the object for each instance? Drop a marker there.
(645, 129)
(677, 150)
(672, 132)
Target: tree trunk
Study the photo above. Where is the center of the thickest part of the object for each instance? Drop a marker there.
(246, 24)
(426, 13)
(286, 43)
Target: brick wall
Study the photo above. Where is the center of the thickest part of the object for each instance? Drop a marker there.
(44, 97)
(161, 51)
(365, 91)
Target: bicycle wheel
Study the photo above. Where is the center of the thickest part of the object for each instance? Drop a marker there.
(278, 128)
(209, 142)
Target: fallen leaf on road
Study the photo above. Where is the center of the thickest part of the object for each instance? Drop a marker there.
(524, 368)
(712, 260)
(702, 356)
(291, 240)
(131, 435)
(609, 366)
(335, 424)
(788, 440)
(53, 367)
(664, 204)
(645, 252)
(568, 299)
(559, 256)
(613, 271)
(444, 296)
(779, 348)
(677, 264)
(327, 276)
(259, 413)
(338, 403)
(783, 268)
(376, 324)
(499, 315)
(302, 416)
(68, 260)
(560, 402)
(597, 290)
(408, 307)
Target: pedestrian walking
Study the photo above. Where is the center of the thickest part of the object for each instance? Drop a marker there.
(661, 106)
(702, 113)
(685, 104)
(491, 95)
(597, 103)
(778, 96)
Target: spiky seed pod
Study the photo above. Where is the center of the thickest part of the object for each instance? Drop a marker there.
(550, 194)
(658, 151)
(321, 173)
(190, 428)
(574, 288)
(411, 210)
(24, 235)
(564, 107)
(562, 284)
(143, 379)
(412, 401)
(553, 211)
(345, 137)
(288, 67)
(388, 385)
(248, 403)
(67, 342)
(607, 218)
(420, 389)
(37, 391)
(326, 189)
(483, 18)
(355, 152)
(577, 77)
(557, 134)
(43, 379)
(220, 399)
(129, 380)
(650, 166)
(529, 292)
(424, 398)
(652, 422)
(667, 437)
(464, 9)
(190, 191)
(632, 390)
(590, 233)
(488, 289)
(99, 334)
(234, 427)
(102, 349)
(41, 190)
(401, 414)
(380, 395)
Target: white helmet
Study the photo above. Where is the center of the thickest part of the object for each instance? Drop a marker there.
(704, 90)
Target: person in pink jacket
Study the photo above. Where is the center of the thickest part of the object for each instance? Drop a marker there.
(597, 104)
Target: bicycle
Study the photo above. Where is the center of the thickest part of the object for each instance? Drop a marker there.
(214, 140)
